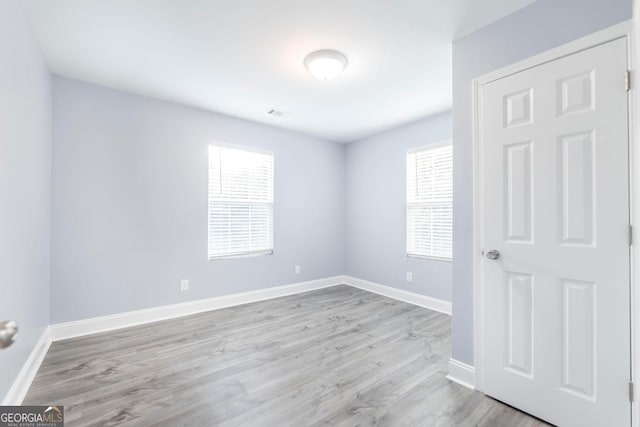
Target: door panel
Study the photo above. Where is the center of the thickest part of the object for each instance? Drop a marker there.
(556, 206)
(577, 198)
(519, 323)
(518, 191)
(578, 333)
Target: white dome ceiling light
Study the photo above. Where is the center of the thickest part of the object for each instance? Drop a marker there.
(325, 64)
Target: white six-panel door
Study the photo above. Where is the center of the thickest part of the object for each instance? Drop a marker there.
(554, 165)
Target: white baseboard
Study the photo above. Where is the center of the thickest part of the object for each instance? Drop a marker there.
(401, 295)
(462, 374)
(62, 331)
(22, 383)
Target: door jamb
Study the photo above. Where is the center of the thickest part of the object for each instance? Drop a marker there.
(622, 30)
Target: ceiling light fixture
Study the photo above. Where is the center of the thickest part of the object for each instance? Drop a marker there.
(325, 64)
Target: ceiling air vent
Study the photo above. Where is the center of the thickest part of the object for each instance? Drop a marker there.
(278, 113)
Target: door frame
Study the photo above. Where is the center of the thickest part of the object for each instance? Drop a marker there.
(623, 30)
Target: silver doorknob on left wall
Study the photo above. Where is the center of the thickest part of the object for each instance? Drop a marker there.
(8, 331)
(493, 254)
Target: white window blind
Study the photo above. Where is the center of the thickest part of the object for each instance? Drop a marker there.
(240, 202)
(430, 202)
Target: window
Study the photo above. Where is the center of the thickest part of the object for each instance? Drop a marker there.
(430, 202)
(240, 202)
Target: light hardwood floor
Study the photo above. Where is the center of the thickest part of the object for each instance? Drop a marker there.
(338, 356)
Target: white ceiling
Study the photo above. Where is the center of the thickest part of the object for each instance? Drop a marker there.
(245, 57)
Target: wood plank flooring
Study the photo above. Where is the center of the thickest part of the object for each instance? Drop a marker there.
(338, 356)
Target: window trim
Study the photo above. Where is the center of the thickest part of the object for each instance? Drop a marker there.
(242, 147)
(251, 149)
(439, 144)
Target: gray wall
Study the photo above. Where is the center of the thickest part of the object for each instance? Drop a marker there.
(376, 210)
(534, 29)
(129, 212)
(25, 182)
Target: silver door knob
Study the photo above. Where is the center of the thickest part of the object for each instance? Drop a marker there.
(493, 254)
(8, 331)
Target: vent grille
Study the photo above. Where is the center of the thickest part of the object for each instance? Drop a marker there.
(278, 113)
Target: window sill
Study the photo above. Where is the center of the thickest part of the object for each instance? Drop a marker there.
(241, 255)
(431, 258)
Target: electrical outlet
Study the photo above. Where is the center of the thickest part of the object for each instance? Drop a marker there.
(296, 269)
(409, 276)
(184, 285)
